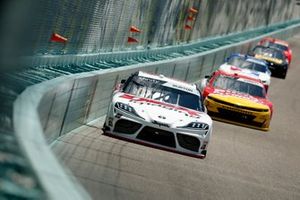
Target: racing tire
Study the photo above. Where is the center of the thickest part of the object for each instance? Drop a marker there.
(105, 128)
(204, 152)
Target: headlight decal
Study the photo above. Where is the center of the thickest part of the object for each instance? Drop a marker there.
(196, 125)
(126, 108)
(123, 106)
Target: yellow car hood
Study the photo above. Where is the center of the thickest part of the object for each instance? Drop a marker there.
(270, 59)
(240, 100)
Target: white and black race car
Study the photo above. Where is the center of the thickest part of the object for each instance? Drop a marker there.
(248, 66)
(158, 111)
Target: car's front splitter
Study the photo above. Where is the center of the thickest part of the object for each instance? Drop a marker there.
(239, 124)
(153, 145)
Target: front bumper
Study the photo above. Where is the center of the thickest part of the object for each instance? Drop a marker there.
(278, 69)
(125, 126)
(230, 113)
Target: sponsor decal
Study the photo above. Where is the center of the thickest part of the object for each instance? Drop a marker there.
(254, 73)
(150, 80)
(236, 110)
(251, 82)
(161, 117)
(183, 88)
(160, 123)
(236, 94)
(189, 112)
(275, 60)
(234, 68)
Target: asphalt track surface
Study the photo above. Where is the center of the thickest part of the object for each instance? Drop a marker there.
(242, 163)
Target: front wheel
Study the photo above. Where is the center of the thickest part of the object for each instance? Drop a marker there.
(203, 154)
(105, 128)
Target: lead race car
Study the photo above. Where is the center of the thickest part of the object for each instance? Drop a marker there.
(278, 63)
(237, 99)
(161, 112)
(278, 44)
(248, 65)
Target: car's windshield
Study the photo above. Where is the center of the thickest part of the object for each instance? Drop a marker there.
(236, 61)
(236, 84)
(276, 45)
(269, 52)
(154, 89)
(246, 64)
(254, 66)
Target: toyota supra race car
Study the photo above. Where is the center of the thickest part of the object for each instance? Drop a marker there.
(237, 99)
(248, 65)
(158, 111)
(278, 63)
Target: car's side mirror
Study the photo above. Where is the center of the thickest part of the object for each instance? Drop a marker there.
(203, 83)
(286, 60)
(207, 76)
(251, 53)
(123, 81)
(205, 109)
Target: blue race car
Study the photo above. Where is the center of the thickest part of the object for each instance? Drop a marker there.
(248, 65)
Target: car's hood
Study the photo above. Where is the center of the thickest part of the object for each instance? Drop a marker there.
(265, 78)
(239, 99)
(162, 113)
(269, 59)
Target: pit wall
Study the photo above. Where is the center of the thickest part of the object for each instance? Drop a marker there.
(51, 109)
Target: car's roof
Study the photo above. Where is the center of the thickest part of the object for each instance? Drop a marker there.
(281, 43)
(250, 58)
(277, 41)
(173, 83)
(246, 78)
(258, 61)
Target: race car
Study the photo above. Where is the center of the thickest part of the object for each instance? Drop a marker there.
(279, 44)
(278, 64)
(162, 112)
(237, 99)
(248, 65)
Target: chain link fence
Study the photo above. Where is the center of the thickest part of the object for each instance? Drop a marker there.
(103, 25)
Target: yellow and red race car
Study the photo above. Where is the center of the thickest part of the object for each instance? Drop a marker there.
(237, 99)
